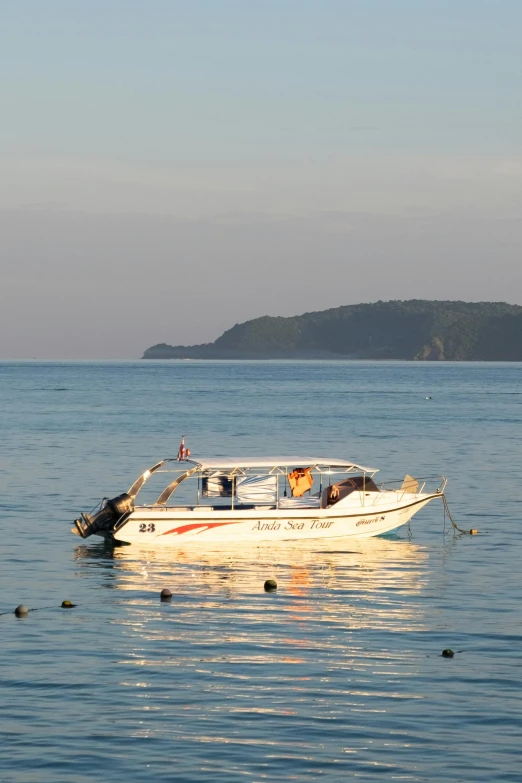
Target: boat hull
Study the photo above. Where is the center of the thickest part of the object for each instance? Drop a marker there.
(168, 527)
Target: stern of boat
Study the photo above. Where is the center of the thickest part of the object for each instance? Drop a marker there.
(102, 520)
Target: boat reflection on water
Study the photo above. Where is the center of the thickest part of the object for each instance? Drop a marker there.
(374, 581)
(225, 664)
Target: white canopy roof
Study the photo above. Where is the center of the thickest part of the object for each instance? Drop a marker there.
(229, 463)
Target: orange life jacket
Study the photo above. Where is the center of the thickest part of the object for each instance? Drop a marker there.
(300, 481)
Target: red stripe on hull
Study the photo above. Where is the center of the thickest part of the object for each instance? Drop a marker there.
(178, 531)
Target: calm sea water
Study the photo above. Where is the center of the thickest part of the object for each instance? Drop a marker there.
(339, 674)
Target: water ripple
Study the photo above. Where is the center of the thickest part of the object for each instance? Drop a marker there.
(339, 673)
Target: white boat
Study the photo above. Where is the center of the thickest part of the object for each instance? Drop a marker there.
(240, 499)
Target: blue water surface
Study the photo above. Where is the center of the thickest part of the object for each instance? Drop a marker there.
(339, 674)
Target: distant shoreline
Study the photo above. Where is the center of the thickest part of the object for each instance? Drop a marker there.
(311, 359)
(240, 356)
(414, 330)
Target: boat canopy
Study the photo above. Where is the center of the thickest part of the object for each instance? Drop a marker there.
(237, 466)
(244, 463)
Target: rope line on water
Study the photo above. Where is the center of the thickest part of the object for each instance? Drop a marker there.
(472, 532)
(22, 610)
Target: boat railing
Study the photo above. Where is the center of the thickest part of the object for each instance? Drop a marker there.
(423, 485)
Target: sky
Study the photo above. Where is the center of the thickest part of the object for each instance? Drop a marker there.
(172, 167)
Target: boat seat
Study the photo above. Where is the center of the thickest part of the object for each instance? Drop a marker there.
(341, 489)
(252, 506)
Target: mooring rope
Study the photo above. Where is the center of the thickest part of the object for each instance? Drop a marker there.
(471, 532)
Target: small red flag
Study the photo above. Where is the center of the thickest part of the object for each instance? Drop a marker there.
(182, 451)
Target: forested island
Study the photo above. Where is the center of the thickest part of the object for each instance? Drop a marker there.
(410, 330)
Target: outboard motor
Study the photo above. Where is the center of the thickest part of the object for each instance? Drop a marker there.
(103, 521)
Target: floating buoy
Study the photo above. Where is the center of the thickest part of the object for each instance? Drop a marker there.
(21, 611)
(270, 585)
(67, 605)
(447, 653)
(166, 594)
(428, 398)
(473, 531)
